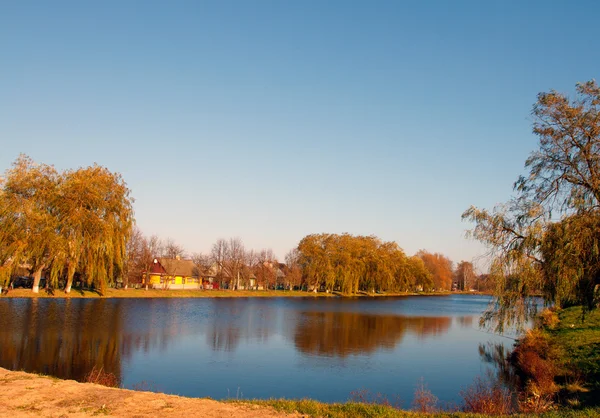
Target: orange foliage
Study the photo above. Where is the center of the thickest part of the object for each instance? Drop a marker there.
(440, 268)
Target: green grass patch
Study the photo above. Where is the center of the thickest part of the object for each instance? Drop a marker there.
(315, 409)
(581, 343)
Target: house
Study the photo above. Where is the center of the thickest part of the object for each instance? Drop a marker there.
(172, 273)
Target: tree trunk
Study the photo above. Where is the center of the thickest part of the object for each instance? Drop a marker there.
(37, 276)
(70, 274)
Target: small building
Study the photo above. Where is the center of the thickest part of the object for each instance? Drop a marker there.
(172, 273)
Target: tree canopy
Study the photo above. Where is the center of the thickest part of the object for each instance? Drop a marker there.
(65, 223)
(546, 239)
(351, 263)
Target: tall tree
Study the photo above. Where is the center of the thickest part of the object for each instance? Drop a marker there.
(465, 275)
(28, 217)
(440, 268)
(218, 255)
(294, 270)
(235, 254)
(94, 217)
(77, 220)
(532, 252)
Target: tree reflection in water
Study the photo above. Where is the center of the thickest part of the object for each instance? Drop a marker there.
(238, 320)
(69, 337)
(346, 333)
(497, 354)
(64, 339)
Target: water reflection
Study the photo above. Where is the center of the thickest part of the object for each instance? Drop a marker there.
(344, 333)
(65, 340)
(236, 321)
(497, 355)
(331, 347)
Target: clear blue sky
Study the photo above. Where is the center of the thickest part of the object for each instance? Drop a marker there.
(271, 120)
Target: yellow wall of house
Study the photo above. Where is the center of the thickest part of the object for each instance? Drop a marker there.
(155, 280)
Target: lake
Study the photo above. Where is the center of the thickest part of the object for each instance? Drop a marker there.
(320, 348)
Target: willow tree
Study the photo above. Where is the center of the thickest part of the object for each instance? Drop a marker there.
(69, 222)
(533, 252)
(27, 218)
(94, 222)
(355, 263)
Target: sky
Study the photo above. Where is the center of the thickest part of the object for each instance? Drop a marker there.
(272, 120)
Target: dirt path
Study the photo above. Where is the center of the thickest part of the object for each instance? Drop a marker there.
(29, 395)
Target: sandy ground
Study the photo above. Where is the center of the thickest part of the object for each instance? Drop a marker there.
(29, 395)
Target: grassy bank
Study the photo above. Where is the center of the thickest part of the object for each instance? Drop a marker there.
(580, 341)
(315, 409)
(559, 361)
(194, 293)
(159, 293)
(27, 394)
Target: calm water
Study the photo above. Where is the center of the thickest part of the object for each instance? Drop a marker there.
(256, 348)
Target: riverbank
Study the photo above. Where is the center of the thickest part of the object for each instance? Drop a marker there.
(559, 360)
(27, 395)
(160, 293)
(194, 293)
(30, 395)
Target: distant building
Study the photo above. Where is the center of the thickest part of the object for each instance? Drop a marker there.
(172, 273)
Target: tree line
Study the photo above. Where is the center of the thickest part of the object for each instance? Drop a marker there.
(333, 262)
(77, 226)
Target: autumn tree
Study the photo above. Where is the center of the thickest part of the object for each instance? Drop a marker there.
(358, 263)
(531, 250)
(94, 218)
(465, 275)
(74, 221)
(294, 270)
(28, 219)
(421, 277)
(440, 268)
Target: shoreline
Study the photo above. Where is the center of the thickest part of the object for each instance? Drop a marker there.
(28, 395)
(196, 293)
(33, 395)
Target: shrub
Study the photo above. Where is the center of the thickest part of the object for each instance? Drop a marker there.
(100, 377)
(424, 401)
(548, 318)
(487, 396)
(537, 360)
(367, 397)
